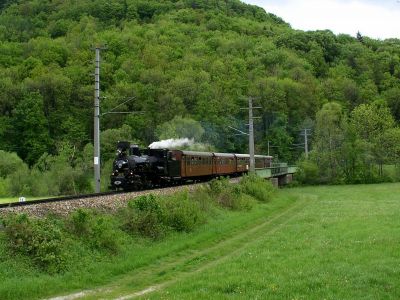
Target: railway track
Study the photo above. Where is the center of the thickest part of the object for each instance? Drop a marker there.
(104, 201)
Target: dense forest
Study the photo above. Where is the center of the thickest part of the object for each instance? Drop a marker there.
(186, 67)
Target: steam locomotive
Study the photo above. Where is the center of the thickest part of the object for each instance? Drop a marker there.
(135, 169)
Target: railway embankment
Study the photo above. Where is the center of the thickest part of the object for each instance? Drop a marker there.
(109, 202)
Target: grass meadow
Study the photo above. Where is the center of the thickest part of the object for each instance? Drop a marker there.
(327, 242)
(343, 242)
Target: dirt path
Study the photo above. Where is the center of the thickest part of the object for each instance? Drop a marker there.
(170, 270)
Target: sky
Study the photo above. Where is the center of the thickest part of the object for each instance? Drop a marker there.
(375, 19)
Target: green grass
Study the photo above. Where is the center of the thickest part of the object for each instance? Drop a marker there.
(16, 199)
(334, 242)
(343, 244)
(20, 280)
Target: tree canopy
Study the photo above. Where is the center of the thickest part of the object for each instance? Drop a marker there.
(194, 58)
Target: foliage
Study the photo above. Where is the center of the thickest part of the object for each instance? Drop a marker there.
(145, 217)
(257, 187)
(96, 230)
(329, 136)
(307, 172)
(181, 213)
(40, 239)
(188, 67)
(229, 196)
(91, 267)
(9, 163)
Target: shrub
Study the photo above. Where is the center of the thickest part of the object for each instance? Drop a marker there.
(217, 186)
(150, 216)
(40, 239)
(308, 172)
(203, 199)
(234, 199)
(19, 182)
(97, 230)
(103, 236)
(181, 213)
(257, 187)
(228, 195)
(4, 187)
(144, 217)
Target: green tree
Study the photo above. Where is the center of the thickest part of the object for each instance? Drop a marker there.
(371, 122)
(279, 138)
(328, 140)
(30, 128)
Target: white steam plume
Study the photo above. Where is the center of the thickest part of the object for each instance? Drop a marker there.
(171, 143)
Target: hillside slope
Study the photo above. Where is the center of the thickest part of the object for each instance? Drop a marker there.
(194, 58)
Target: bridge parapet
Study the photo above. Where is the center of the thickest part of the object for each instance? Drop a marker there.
(281, 171)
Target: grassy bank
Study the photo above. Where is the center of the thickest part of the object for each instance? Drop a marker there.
(46, 257)
(344, 244)
(330, 242)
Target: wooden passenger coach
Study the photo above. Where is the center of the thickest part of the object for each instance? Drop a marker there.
(242, 162)
(193, 164)
(187, 164)
(224, 163)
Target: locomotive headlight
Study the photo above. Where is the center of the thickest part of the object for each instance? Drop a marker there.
(120, 163)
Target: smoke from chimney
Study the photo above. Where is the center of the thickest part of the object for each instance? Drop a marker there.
(172, 143)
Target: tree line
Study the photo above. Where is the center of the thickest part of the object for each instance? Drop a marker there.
(196, 60)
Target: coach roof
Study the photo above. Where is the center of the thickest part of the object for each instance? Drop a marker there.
(231, 155)
(195, 153)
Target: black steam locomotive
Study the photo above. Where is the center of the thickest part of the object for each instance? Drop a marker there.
(135, 169)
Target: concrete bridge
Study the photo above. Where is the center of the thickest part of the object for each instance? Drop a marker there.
(279, 173)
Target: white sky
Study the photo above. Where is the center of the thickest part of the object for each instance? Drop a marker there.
(376, 19)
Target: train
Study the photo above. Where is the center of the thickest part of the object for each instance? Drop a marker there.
(136, 169)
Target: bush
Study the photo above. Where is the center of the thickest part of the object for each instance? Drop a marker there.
(4, 187)
(40, 239)
(144, 216)
(307, 172)
(97, 231)
(203, 199)
(257, 187)
(228, 195)
(217, 186)
(19, 182)
(181, 213)
(150, 216)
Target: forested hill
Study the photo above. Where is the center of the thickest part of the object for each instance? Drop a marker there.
(197, 59)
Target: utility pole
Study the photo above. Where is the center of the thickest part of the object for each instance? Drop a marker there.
(306, 134)
(96, 139)
(97, 116)
(251, 136)
(96, 128)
